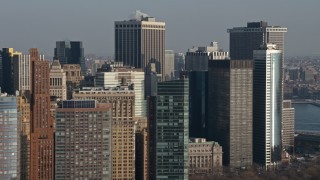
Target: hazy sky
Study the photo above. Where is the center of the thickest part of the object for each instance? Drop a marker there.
(40, 23)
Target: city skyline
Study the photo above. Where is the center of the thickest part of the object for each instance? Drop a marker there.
(184, 29)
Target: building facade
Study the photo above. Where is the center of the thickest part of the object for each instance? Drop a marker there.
(7, 85)
(229, 118)
(243, 40)
(73, 77)
(58, 83)
(82, 140)
(139, 41)
(287, 125)
(172, 130)
(42, 132)
(127, 75)
(122, 127)
(70, 52)
(10, 138)
(21, 72)
(205, 157)
(267, 106)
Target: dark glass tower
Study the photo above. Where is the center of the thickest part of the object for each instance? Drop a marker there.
(229, 119)
(243, 40)
(172, 130)
(70, 52)
(198, 103)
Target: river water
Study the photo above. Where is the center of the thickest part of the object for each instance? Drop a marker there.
(307, 117)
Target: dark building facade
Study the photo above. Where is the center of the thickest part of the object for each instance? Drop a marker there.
(139, 41)
(70, 52)
(243, 40)
(229, 112)
(6, 70)
(172, 130)
(198, 103)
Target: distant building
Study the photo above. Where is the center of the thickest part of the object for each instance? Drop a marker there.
(73, 77)
(168, 67)
(172, 124)
(70, 52)
(293, 73)
(205, 157)
(179, 64)
(197, 57)
(82, 140)
(229, 112)
(139, 41)
(7, 75)
(267, 106)
(10, 138)
(243, 40)
(287, 125)
(122, 126)
(58, 84)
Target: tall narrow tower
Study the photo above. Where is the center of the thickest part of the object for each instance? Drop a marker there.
(267, 105)
(42, 139)
(139, 41)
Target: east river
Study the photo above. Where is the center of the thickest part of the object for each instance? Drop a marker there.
(307, 117)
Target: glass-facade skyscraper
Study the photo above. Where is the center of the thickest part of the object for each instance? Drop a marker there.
(267, 105)
(172, 130)
(70, 52)
(9, 136)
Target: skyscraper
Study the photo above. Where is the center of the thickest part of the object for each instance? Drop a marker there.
(243, 40)
(267, 105)
(7, 70)
(70, 52)
(21, 72)
(139, 41)
(82, 143)
(10, 139)
(42, 140)
(172, 130)
(229, 112)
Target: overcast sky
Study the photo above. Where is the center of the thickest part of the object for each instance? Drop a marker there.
(40, 23)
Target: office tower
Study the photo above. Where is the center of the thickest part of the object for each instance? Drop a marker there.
(151, 81)
(139, 41)
(198, 81)
(7, 70)
(82, 140)
(21, 72)
(168, 65)
(58, 84)
(267, 105)
(179, 64)
(119, 75)
(172, 130)
(243, 40)
(73, 77)
(141, 148)
(205, 157)
(287, 125)
(122, 126)
(197, 57)
(230, 110)
(42, 140)
(24, 120)
(70, 52)
(10, 139)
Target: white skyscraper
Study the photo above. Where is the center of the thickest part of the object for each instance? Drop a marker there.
(267, 105)
(21, 71)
